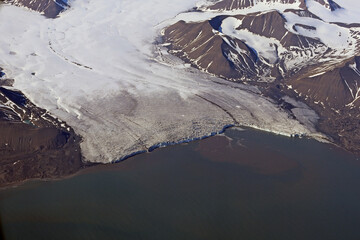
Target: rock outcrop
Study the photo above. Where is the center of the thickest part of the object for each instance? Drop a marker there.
(50, 8)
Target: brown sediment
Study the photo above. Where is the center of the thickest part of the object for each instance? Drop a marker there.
(266, 161)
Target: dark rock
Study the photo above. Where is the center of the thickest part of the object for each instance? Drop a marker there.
(50, 8)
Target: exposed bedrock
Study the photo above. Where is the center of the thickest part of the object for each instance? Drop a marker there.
(50, 8)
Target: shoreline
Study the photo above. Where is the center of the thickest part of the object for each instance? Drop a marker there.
(314, 135)
(89, 167)
(167, 144)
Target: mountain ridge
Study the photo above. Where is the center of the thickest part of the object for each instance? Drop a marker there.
(304, 56)
(50, 8)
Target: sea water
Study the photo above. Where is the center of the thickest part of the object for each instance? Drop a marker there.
(245, 184)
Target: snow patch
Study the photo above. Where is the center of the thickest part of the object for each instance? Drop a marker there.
(265, 47)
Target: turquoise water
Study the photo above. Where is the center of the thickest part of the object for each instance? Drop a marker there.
(247, 185)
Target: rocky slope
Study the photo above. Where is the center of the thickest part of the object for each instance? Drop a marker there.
(241, 4)
(277, 55)
(50, 8)
(108, 80)
(33, 144)
(285, 52)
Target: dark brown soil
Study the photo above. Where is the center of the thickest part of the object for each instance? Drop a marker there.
(34, 144)
(27, 152)
(251, 157)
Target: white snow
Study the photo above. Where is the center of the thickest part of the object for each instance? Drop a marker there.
(260, 7)
(317, 74)
(332, 35)
(96, 68)
(265, 46)
(350, 12)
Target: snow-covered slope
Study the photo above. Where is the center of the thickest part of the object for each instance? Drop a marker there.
(306, 49)
(226, 5)
(284, 38)
(97, 67)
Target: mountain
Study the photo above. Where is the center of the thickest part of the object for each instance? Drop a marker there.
(289, 49)
(33, 144)
(122, 79)
(50, 8)
(335, 95)
(241, 4)
(252, 47)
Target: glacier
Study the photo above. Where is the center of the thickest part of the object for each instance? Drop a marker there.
(101, 68)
